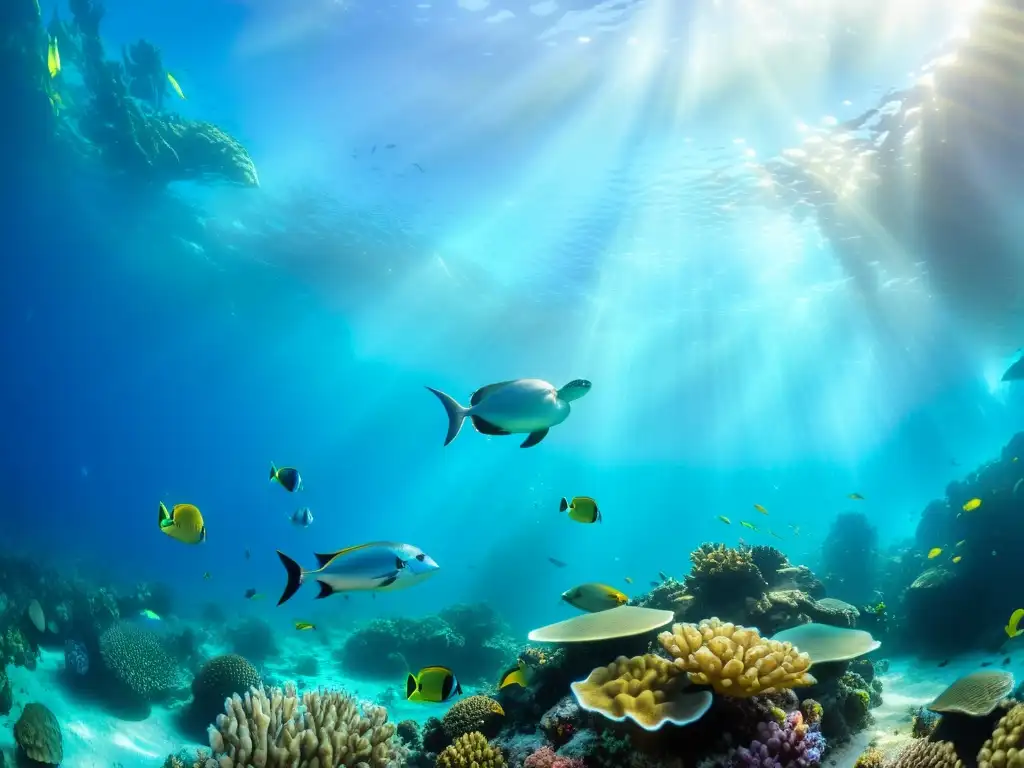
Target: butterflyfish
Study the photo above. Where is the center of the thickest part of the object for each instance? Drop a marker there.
(304, 626)
(556, 562)
(1013, 625)
(934, 552)
(725, 519)
(378, 565)
(175, 86)
(856, 497)
(582, 509)
(183, 523)
(288, 477)
(761, 509)
(433, 684)
(53, 57)
(514, 676)
(972, 505)
(593, 597)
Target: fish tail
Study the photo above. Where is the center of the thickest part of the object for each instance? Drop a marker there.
(410, 685)
(294, 577)
(273, 471)
(564, 505)
(456, 414)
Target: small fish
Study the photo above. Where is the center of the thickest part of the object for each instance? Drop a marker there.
(252, 594)
(389, 146)
(1006, 661)
(628, 580)
(149, 615)
(773, 533)
(972, 505)
(418, 167)
(725, 519)
(433, 684)
(934, 552)
(594, 597)
(655, 583)
(207, 576)
(944, 662)
(175, 86)
(53, 57)
(795, 529)
(961, 543)
(682, 599)
(373, 149)
(556, 562)
(986, 663)
(751, 526)
(957, 559)
(513, 676)
(302, 518)
(761, 509)
(183, 523)
(304, 626)
(582, 509)
(855, 497)
(1012, 627)
(662, 576)
(248, 555)
(288, 477)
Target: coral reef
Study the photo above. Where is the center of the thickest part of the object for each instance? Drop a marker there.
(471, 750)
(1005, 748)
(220, 678)
(978, 693)
(76, 657)
(38, 735)
(926, 754)
(848, 557)
(721, 579)
(138, 662)
(6, 696)
(792, 744)
(474, 713)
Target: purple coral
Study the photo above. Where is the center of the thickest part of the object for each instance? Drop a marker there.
(76, 657)
(795, 744)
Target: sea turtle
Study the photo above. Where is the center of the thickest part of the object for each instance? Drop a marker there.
(522, 406)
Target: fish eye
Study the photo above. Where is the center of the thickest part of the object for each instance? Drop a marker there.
(421, 557)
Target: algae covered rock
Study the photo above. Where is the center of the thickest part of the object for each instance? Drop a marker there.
(37, 733)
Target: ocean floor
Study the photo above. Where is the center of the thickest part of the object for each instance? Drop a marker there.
(95, 738)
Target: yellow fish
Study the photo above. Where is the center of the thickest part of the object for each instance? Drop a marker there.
(513, 676)
(725, 519)
(745, 524)
(582, 509)
(594, 597)
(175, 86)
(303, 626)
(184, 522)
(856, 497)
(1013, 625)
(53, 57)
(934, 552)
(434, 684)
(682, 599)
(957, 559)
(961, 542)
(972, 505)
(761, 509)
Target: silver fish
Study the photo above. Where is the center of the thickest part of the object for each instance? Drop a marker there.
(302, 517)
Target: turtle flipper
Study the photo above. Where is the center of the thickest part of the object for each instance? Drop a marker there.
(534, 438)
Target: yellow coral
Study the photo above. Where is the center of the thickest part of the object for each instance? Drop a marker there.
(646, 689)
(471, 750)
(872, 757)
(1005, 749)
(734, 660)
(474, 713)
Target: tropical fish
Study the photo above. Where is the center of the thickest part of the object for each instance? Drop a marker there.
(934, 552)
(378, 565)
(53, 57)
(433, 684)
(304, 626)
(957, 559)
(582, 509)
(944, 662)
(556, 562)
(961, 543)
(248, 555)
(303, 518)
(513, 676)
(761, 509)
(183, 523)
(662, 576)
(149, 615)
(972, 505)
(725, 519)
(773, 533)
(207, 576)
(175, 86)
(593, 597)
(628, 580)
(522, 406)
(1013, 625)
(682, 599)
(745, 524)
(856, 497)
(288, 477)
(252, 594)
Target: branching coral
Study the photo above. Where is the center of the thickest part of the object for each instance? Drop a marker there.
(794, 744)
(474, 713)
(735, 661)
(722, 576)
(768, 560)
(1005, 749)
(270, 729)
(471, 750)
(137, 660)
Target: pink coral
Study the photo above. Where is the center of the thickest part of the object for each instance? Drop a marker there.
(546, 758)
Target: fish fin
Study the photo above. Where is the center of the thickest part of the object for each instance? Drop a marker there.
(458, 688)
(456, 414)
(326, 590)
(294, 577)
(273, 471)
(202, 534)
(534, 438)
(597, 510)
(483, 392)
(399, 563)
(485, 427)
(410, 686)
(165, 516)
(324, 558)
(564, 505)
(389, 580)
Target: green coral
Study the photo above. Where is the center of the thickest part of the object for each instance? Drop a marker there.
(136, 659)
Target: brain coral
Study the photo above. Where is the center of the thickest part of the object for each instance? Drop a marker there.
(471, 750)
(37, 732)
(646, 689)
(135, 657)
(1005, 749)
(220, 678)
(734, 660)
(475, 713)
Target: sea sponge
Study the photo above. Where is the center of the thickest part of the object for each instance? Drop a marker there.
(471, 750)
(1005, 749)
(135, 657)
(222, 677)
(475, 713)
(648, 690)
(37, 732)
(922, 753)
(734, 660)
(975, 694)
(269, 729)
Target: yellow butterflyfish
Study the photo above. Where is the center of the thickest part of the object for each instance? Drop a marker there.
(972, 505)
(175, 86)
(1012, 627)
(856, 497)
(53, 57)
(934, 552)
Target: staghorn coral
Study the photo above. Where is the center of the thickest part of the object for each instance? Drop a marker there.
(270, 729)
(474, 713)
(471, 750)
(734, 660)
(648, 690)
(1005, 748)
(137, 660)
(38, 734)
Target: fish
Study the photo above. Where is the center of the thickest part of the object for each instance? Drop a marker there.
(795, 528)
(248, 555)
(655, 583)
(304, 626)
(521, 406)
(972, 505)
(375, 566)
(53, 57)
(252, 594)
(761, 509)
(183, 523)
(390, 146)
(582, 509)
(418, 167)
(751, 526)
(303, 518)
(433, 684)
(662, 576)
(207, 576)
(175, 86)
(594, 597)
(628, 580)
(986, 663)
(725, 519)
(1015, 372)
(773, 533)
(855, 497)
(957, 559)
(1006, 661)
(149, 615)
(513, 676)
(288, 477)
(961, 543)
(934, 552)
(1012, 627)
(944, 662)
(683, 599)
(556, 562)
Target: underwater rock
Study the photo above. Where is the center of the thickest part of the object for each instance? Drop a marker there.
(38, 735)
(6, 696)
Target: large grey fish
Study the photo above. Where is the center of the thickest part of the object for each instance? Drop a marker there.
(523, 406)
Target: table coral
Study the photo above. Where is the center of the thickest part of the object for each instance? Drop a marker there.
(734, 660)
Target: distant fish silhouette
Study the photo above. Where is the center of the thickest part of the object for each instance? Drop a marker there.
(389, 146)
(1015, 372)
(556, 563)
(419, 167)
